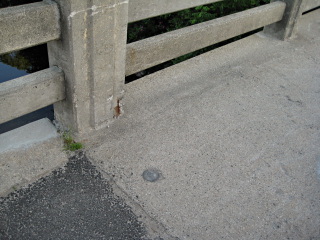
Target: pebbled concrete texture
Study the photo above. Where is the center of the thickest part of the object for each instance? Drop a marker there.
(310, 4)
(28, 25)
(235, 134)
(91, 53)
(29, 93)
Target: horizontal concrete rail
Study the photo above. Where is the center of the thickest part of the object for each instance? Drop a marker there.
(155, 50)
(142, 9)
(28, 25)
(29, 93)
(311, 4)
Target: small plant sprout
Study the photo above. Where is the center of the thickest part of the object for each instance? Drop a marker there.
(69, 143)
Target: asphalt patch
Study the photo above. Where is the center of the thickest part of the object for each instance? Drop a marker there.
(73, 202)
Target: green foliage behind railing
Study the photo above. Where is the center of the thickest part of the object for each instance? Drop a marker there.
(168, 22)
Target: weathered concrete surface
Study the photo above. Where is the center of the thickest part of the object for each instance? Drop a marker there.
(142, 9)
(28, 25)
(310, 4)
(31, 92)
(287, 27)
(91, 53)
(235, 133)
(23, 162)
(155, 50)
(27, 135)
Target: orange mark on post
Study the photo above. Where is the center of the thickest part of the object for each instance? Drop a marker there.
(117, 109)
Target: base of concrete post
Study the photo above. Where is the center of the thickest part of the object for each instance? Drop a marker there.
(286, 28)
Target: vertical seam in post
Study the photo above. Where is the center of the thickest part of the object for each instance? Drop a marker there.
(117, 85)
(115, 108)
(90, 73)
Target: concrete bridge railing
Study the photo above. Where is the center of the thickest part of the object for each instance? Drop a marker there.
(89, 56)
(22, 27)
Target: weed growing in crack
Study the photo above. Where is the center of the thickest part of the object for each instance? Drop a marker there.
(69, 143)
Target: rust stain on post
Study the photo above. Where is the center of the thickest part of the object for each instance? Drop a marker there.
(117, 109)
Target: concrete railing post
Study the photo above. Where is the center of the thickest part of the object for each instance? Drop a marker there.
(286, 28)
(91, 52)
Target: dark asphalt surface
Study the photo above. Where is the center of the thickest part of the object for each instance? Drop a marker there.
(74, 202)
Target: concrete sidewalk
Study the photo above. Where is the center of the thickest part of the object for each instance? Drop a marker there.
(235, 137)
(235, 134)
